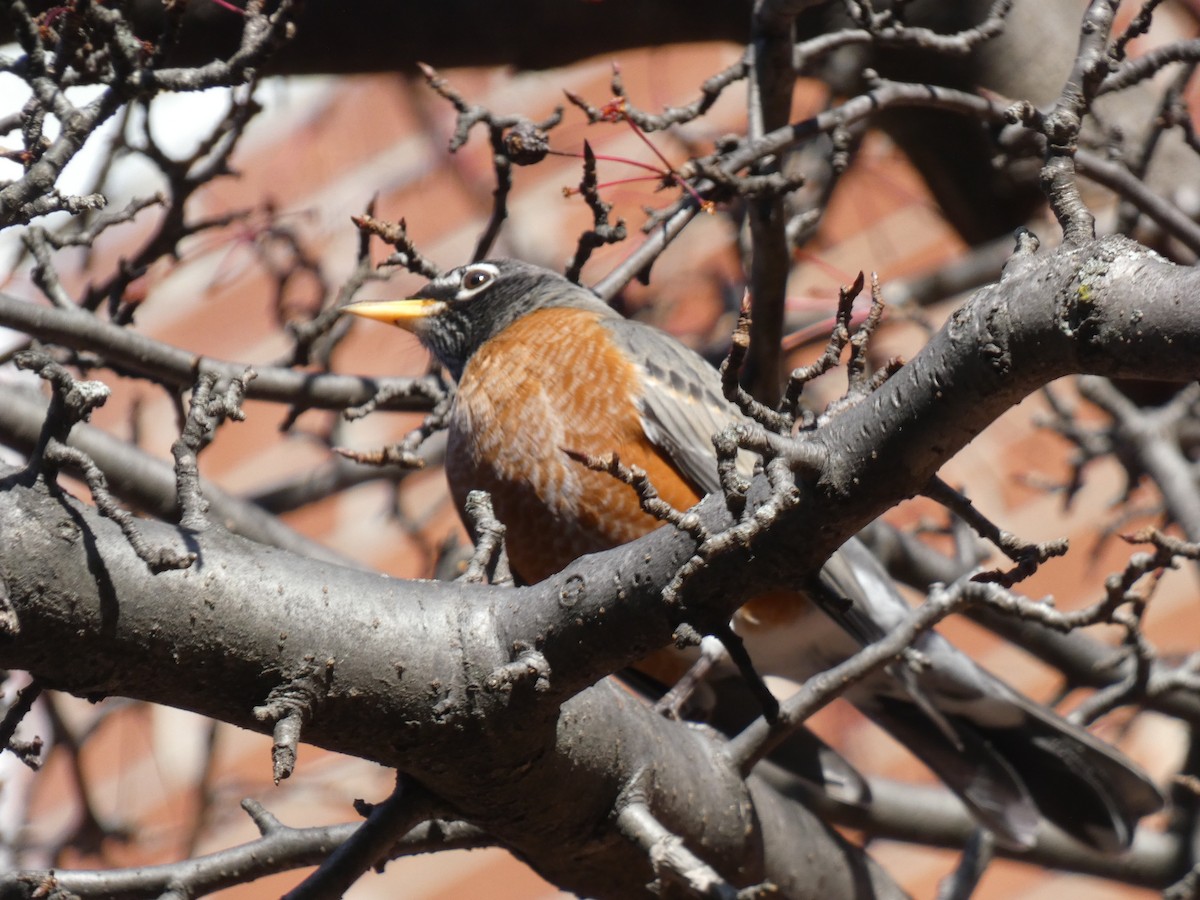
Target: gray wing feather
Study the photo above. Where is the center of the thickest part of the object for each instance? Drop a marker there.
(685, 408)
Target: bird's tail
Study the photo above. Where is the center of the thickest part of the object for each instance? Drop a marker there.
(1040, 764)
(1008, 758)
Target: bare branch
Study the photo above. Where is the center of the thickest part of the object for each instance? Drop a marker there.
(515, 140)
(489, 562)
(206, 413)
(280, 849)
(128, 351)
(602, 231)
(370, 845)
(18, 710)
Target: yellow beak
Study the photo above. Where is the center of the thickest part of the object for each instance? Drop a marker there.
(404, 313)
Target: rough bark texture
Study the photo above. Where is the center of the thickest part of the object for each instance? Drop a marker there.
(398, 671)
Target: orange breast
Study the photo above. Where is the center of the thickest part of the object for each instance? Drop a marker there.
(551, 382)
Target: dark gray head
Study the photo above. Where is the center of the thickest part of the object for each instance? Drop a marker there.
(456, 313)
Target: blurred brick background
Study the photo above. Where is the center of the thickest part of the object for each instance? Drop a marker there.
(321, 152)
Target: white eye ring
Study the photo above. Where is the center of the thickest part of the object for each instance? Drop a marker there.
(475, 278)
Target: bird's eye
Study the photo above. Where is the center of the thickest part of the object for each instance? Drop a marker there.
(474, 279)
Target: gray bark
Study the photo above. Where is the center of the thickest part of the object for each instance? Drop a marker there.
(398, 671)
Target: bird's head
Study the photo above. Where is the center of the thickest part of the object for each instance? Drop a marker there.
(456, 313)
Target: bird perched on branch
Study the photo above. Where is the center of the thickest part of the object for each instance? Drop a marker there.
(548, 374)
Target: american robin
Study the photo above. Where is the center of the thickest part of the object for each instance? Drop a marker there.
(546, 372)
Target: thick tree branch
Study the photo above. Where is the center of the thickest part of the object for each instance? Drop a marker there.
(406, 664)
(404, 667)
